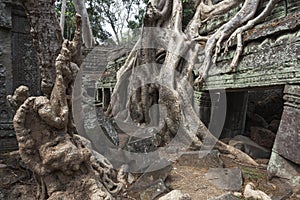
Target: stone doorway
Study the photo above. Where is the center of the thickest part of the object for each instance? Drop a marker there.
(250, 118)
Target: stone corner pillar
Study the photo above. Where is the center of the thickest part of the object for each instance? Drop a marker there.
(285, 158)
(7, 139)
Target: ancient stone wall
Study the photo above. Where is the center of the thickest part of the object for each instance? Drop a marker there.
(18, 64)
(270, 56)
(6, 128)
(25, 69)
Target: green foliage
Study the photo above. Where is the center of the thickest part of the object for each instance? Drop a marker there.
(253, 174)
(69, 18)
(96, 20)
(124, 17)
(188, 12)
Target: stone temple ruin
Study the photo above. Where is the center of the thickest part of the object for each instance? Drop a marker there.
(267, 76)
(269, 72)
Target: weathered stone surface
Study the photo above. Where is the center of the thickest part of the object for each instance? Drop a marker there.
(273, 62)
(283, 190)
(17, 65)
(288, 136)
(24, 57)
(251, 193)
(225, 178)
(154, 190)
(7, 139)
(151, 176)
(227, 196)
(281, 167)
(201, 159)
(175, 195)
(5, 14)
(149, 141)
(262, 137)
(248, 146)
(47, 40)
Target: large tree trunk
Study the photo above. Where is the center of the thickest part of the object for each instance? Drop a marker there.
(63, 15)
(65, 165)
(159, 70)
(87, 33)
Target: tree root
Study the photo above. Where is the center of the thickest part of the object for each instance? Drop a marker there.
(173, 90)
(214, 42)
(238, 33)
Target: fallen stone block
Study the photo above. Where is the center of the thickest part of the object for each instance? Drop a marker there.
(152, 174)
(262, 137)
(225, 178)
(227, 196)
(154, 190)
(201, 159)
(248, 146)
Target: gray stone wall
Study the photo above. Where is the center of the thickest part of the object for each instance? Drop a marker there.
(6, 128)
(270, 56)
(25, 69)
(18, 65)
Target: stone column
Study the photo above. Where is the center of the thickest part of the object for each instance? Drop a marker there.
(18, 65)
(7, 141)
(285, 158)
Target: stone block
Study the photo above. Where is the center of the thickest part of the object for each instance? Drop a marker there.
(283, 168)
(201, 159)
(154, 190)
(175, 195)
(227, 196)
(152, 175)
(246, 145)
(225, 178)
(262, 137)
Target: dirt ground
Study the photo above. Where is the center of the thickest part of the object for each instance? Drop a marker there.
(191, 180)
(18, 183)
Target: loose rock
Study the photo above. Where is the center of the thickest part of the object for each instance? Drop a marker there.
(175, 195)
(248, 146)
(250, 193)
(262, 137)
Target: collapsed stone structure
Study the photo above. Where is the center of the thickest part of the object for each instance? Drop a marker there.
(272, 63)
(270, 60)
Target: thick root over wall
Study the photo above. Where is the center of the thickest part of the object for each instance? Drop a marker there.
(170, 55)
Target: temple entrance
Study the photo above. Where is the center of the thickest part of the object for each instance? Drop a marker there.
(251, 121)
